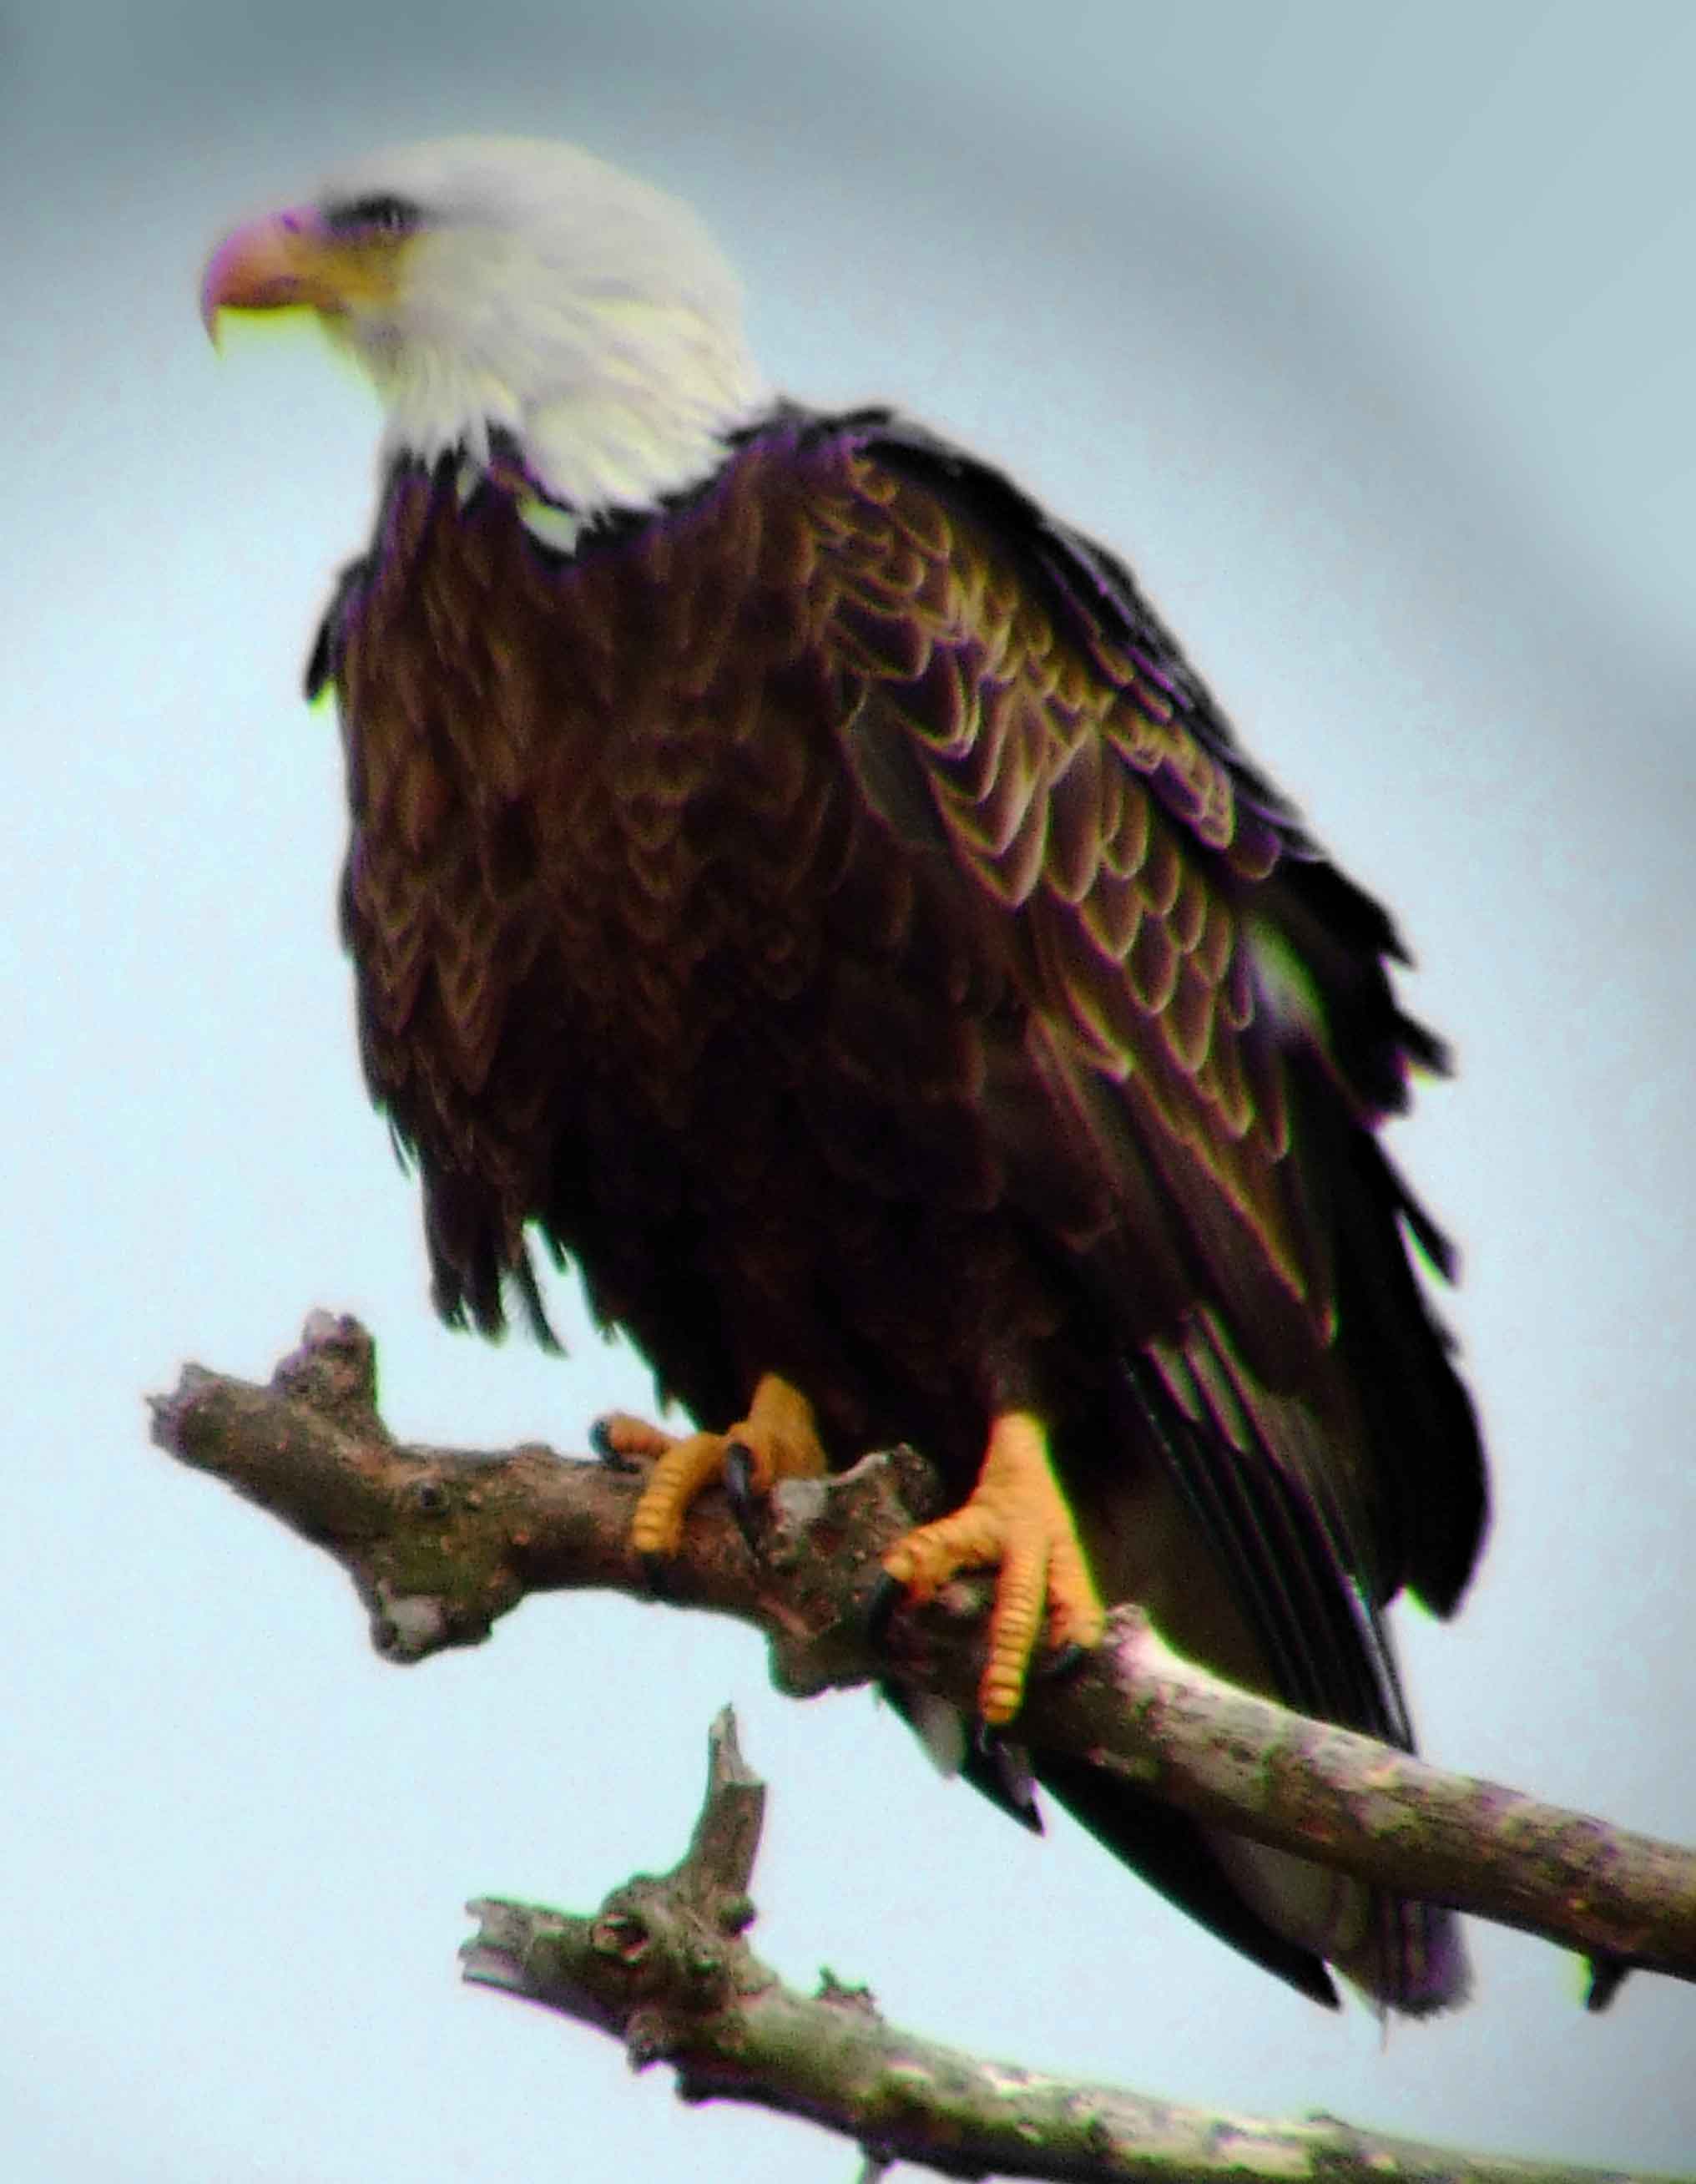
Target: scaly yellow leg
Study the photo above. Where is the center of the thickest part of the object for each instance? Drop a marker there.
(1017, 1522)
(779, 1434)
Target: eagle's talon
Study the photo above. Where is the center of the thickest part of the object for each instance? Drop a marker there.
(1015, 1521)
(606, 1450)
(885, 1598)
(1061, 1665)
(777, 1439)
(655, 1576)
(741, 1491)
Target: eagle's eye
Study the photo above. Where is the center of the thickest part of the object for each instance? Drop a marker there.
(373, 216)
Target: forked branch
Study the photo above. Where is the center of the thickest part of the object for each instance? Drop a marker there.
(664, 1965)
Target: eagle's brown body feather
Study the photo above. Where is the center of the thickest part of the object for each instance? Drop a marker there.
(832, 914)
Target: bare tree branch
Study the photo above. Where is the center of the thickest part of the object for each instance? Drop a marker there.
(664, 1966)
(440, 1543)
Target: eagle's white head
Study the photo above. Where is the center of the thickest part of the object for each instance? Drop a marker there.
(504, 284)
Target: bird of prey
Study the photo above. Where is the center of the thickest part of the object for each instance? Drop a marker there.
(803, 884)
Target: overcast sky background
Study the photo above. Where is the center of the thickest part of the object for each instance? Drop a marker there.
(1368, 333)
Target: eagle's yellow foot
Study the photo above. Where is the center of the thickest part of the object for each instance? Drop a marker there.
(1016, 1521)
(777, 1439)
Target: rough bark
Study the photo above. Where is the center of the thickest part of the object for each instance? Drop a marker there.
(441, 1542)
(665, 1966)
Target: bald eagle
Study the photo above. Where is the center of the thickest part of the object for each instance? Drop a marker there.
(805, 886)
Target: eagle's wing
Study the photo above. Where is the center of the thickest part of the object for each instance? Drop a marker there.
(1211, 1023)
(1208, 1044)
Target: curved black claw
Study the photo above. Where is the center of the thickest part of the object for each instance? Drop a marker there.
(1057, 1667)
(601, 1443)
(886, 1595)
(745, 1506)
(1002, 1768)
(654, 1570)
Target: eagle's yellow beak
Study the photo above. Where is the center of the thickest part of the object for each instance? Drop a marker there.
(291, 259)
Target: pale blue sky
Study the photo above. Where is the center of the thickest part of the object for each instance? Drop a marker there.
(1368, 334)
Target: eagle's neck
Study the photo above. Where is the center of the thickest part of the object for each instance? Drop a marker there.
(598, 425)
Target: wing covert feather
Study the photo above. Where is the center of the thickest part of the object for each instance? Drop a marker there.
(1103, 825)
(1194, 972)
